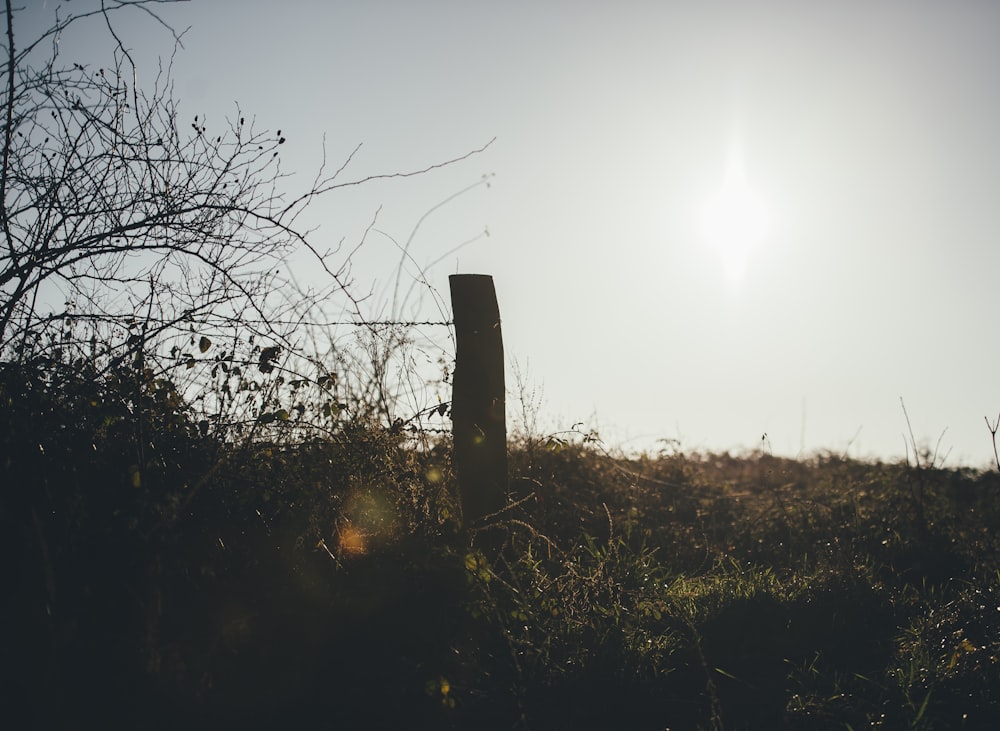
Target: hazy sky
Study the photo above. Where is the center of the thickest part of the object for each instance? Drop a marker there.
(866, 131)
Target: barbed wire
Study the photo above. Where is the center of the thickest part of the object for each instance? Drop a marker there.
(129, 317)
(391, 323)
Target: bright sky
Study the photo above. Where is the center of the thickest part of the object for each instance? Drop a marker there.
(855, 142)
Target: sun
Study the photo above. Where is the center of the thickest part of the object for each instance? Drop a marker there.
(734, 220)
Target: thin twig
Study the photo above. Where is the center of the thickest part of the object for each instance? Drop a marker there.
(993, 433)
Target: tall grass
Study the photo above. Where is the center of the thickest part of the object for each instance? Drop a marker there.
(328, 580)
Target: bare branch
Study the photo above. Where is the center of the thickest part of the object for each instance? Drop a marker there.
(410, 174)
(127, 227)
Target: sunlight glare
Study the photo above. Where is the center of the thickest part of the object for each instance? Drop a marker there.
(352, 541)
(734, 220)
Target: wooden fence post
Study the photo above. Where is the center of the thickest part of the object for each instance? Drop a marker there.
(478, 403)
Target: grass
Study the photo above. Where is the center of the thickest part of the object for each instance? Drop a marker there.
(330, 582)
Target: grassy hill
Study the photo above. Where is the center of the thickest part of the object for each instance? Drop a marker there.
(160, 576)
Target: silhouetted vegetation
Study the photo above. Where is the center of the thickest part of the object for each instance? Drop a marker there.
(328, 581)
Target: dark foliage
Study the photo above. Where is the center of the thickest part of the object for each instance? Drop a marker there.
(157, 578)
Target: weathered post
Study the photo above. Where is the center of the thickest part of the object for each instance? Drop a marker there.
(478, 402)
